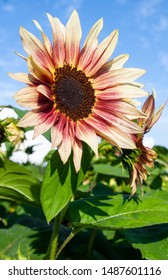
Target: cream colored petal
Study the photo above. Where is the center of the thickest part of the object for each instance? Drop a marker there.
(113, 64)
(23, 77)
(124, 107)
(90, 45)
(57, 131)
(64, 148)
(58, 34)
(113, 135)
(77, 154)
(119, 121)
(41, 74)
(35, 48)
(116, 77)
(46, 91)
(87, 134)
(44, 126)
(120, 91)
(73, 35)
(102, 53)
(46, 41)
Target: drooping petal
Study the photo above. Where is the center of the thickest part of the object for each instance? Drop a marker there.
(73, 35)
(57, 130)
(86, 133)
(90, 45)
(64, 148)
(102, 53)
(77, 154)
(58, 34)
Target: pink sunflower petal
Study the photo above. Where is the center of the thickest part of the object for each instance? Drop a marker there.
(102, 53)
(46, 41)
(64, 148)
(119, 121)
(29, 97)
(46, 91)
(58, 34)
(41, 74)
(86, 133)
(57, 130)
(34, 47)
(24, 78)
(44, 126)
(73, 35)
(116, 77)
(35, 116)
(124, 107)
(113, 64)
(120, 91)
(90, 45)
(77, 154)
(113, 135)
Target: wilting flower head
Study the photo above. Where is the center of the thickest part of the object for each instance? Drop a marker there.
(78, 93)
(138, 160)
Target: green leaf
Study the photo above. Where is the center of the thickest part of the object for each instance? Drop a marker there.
(21, 242)
(151, 241)
(119, 212)
(60, 182)
(110, 170)
(17, 183)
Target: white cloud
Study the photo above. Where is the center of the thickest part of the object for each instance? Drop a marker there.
(148, 8)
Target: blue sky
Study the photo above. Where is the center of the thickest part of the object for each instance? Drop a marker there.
(143, 34)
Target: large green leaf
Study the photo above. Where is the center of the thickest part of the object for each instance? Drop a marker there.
(119, 212)
(17, 183)
(60, 182)
(22, 242)
(151, 241)
(110, 170)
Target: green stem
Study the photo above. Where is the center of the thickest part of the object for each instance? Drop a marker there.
(52, 248)
(72, 234)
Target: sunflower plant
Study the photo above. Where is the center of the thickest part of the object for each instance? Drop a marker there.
(83, 102)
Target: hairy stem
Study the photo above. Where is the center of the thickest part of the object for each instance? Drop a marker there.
(52, 248)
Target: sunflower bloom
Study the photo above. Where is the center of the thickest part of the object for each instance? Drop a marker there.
(76, 92)
(139, 160)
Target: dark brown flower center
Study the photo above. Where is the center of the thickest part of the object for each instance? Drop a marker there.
(73, 93)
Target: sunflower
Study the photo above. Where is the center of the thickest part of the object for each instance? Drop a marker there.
(76, 92)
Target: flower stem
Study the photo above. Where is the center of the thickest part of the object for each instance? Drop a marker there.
(70, 236)
(52, 248)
